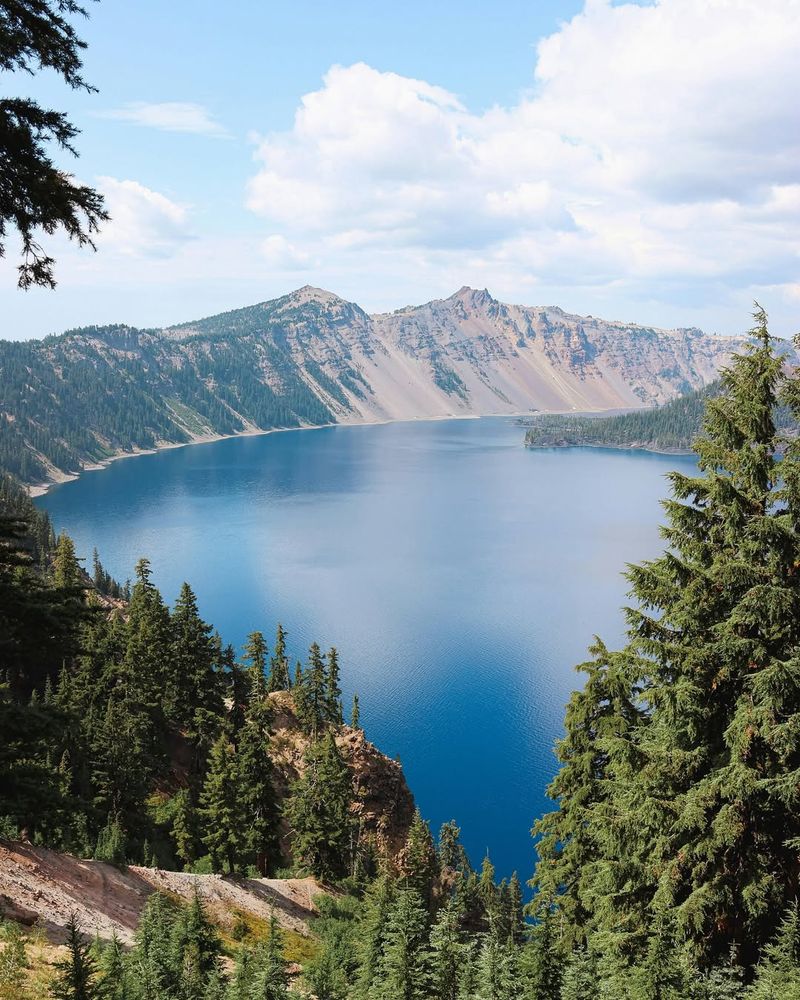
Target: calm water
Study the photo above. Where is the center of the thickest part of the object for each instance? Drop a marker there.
(460, 576)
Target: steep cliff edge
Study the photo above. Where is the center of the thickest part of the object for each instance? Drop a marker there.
(312, 358)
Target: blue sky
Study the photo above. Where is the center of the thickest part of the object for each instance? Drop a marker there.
(631, 161)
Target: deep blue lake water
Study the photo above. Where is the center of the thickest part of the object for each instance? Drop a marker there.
(460, 576)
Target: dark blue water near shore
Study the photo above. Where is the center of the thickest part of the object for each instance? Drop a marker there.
(460, 576)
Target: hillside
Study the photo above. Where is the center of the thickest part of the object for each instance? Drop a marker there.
(311, 358)
(42, 887)
(671, 427)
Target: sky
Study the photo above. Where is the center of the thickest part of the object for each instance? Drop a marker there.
(635, 161)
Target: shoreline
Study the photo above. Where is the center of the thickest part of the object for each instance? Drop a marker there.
(37, 490)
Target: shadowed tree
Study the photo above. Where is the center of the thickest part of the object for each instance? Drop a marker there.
(35, 195)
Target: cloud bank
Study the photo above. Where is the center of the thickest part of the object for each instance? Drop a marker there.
(655, 157)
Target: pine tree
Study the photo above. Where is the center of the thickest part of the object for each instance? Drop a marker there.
(76, 977)
(258, 804)
(541, 963)
(779, 973)
(420, 861)
(333, 695)
(66, 569)
(311, 693)
(451, 851)
(269, 977)
(580, 976)
(355, 714)
(255, 655)
(113, 970)
(487, 890)
(403, 970)
(497, 974)
(279, 679)
(447, 953)
(318, 811)
(184, 827)
(197, 949)
(197, 685)
(378, 901)
(221, 807)
(568, 845)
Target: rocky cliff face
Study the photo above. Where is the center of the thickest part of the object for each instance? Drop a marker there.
(312, 358)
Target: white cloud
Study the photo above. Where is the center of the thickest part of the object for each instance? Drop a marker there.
(168, 116)
(144, 223)
(657, 151)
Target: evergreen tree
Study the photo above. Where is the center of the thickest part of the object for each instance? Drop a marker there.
(257, 801)
(403, 970)
(420, 861)
(66, 569)
(487, 890)
(541, 963)
(114, 972)
(196, 948)
(451, 851)
(76, 977)
(497, 974)
(779, 973)
(378, 901)
(184, 827)
(318, 811)
(447, 952)
(333, 697)
(355, 714)
(221, 807)
(269, 977)
(580, 976)
(194, 666)
(279, 679)
(255, 655)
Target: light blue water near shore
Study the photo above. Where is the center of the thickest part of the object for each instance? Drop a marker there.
(461, 577)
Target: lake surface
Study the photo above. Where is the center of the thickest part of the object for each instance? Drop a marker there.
(460, 576)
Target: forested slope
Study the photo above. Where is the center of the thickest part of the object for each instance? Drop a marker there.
(312, 358)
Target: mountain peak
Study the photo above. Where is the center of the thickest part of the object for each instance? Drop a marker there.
(472, 296)
(310, 293)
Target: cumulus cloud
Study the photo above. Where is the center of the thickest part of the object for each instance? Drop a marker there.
(168, 116)
(658, 147)
(144, 223)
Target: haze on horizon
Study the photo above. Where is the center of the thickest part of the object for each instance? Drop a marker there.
(632, 161)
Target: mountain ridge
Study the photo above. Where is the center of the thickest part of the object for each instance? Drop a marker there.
(311, 358)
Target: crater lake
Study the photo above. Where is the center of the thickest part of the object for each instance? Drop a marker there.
(460, 576)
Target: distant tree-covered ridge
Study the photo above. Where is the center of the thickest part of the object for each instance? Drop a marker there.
(311, 358)
(671, 427)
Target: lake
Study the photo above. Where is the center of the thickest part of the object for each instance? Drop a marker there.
(460, 576)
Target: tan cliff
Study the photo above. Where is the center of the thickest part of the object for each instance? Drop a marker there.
(311, 358)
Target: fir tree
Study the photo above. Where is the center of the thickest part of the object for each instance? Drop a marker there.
(779, 973)
(420, 862)
(255, 655)
(318, 811)
(451, 851)
(76, 977)
(403, 969)
(355, 714)
(447, 952)
(221, 807)
(269, 976)
(378, 901)
(333, 695)
(541, 963)
(279, 679)
(580, 976)
(258, 805)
